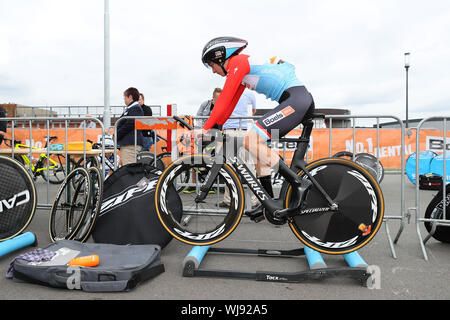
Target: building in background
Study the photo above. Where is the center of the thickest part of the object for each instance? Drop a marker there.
(413, 123)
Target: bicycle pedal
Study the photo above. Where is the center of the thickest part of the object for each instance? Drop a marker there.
(256, 214)
(257, 218)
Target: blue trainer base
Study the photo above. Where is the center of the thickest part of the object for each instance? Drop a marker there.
(354, 260)
(19, 242)
(196, 255)
(315, 259)
(318, 269)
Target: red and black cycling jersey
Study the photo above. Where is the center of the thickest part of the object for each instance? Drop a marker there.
(269, 79)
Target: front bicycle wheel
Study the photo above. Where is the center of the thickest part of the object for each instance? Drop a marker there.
(93, 210)
(360, 207)
(205, 222)
(70, 206)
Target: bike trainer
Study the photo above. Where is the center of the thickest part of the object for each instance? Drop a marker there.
(318, 269)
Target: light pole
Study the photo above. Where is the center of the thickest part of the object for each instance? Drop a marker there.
(407, 65)
(107, 107)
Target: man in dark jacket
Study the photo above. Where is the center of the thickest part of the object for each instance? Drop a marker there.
(3, 124)
(149, 135)
(125, 128)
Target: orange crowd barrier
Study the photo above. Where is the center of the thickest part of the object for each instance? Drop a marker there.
(389, 142)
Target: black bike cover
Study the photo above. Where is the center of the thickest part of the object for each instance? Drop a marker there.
(128, 214)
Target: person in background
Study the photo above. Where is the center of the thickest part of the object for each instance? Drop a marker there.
(238, 128)
(204, 111)
(88, 123)
(126, 129)
(148, 135)
(207, 106)
(3, 124)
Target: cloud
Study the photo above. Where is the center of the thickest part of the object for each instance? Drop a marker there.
(349, 53)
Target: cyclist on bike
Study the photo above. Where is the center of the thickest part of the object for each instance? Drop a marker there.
(278, 82)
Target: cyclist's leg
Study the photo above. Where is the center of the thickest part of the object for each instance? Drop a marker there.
(248, 160)
(277, 123)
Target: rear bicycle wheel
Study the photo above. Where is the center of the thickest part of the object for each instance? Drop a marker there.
(93, 210)
(360, 208)
(70, 206)
(208, 223)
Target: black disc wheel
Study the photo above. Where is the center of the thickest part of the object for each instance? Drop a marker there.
(359, 212)
(204, 222)
(435, 210)
(17, 198)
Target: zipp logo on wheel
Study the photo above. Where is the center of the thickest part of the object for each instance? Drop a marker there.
(278, 116)
(17, 200)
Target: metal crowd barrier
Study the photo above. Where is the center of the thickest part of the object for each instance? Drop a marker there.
(403, 216)
(50, 121)
(434, 222)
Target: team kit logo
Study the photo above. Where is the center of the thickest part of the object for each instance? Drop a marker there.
(280, 115)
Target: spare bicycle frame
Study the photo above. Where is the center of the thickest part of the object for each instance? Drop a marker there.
(298, 164)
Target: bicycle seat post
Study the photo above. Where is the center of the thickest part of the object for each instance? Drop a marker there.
(302, 146)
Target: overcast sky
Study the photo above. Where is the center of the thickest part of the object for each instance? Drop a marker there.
(349, 53)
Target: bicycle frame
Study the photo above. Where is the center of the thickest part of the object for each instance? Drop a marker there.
(298, 164)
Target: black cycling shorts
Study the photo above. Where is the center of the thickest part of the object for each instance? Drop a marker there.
(295, 103)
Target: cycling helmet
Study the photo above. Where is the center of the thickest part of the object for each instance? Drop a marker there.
(218, 50)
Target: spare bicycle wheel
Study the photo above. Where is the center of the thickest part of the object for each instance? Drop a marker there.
(371, 164)
(71, 205)
(94, 206)
(367, 161)
(435, 210)
(17, 198)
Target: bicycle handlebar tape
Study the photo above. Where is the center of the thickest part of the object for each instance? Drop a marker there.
(19, 242)
(354, 260)
(194, 258)
(315, 259)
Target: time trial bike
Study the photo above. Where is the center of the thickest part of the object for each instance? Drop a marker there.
(341, 211)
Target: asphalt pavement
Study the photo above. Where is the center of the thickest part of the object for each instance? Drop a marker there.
(409, 277)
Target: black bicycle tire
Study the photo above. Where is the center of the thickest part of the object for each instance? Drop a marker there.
(202, 239)
(341, 154)
(169, 155)
(442, 233)
(297, 230)
(380, 175)
(151, 156)
(95, 208)
(67, 181)
(91, 160)
(21, 171)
